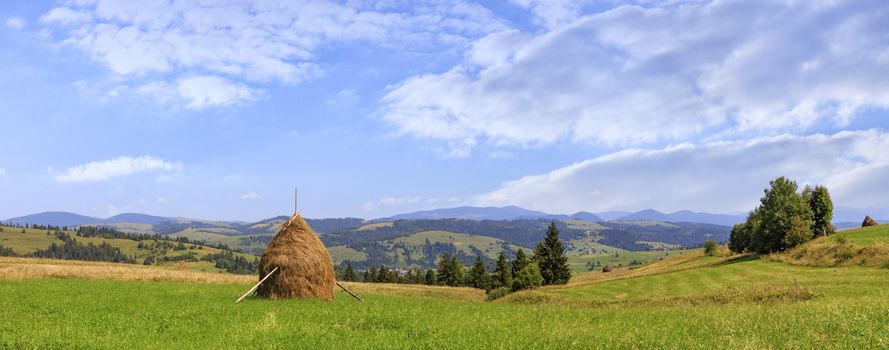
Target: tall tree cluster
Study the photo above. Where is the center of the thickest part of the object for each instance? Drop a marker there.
(785, 218)
(550, 257)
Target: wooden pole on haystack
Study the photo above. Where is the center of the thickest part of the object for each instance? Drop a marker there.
(350, 292)
(256, 286)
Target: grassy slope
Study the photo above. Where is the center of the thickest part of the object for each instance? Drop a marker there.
(489, 245)
(864, 236)
(340, 253)
(32, 240)
(618, 257)
(852, 311)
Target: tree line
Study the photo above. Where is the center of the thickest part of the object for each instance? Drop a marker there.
(547, 265)
(784, 218)
(71, 249)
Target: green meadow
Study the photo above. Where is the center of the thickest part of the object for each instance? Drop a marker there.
(684, 302)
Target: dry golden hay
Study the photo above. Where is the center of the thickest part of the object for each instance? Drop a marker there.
(305, 269)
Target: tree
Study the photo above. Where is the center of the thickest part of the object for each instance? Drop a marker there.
(385, 275)
(502, 274)
(520, 262)
(349, 275)
(550, 256)
(429, 279)
(780, 204)
(710, 247)
(528, 278)
(478, 274)
(739, 239)
(149, 260)
(797, 232)
(371, 275)
(450, 270)
(822, 211)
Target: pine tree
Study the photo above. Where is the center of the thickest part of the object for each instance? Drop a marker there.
(371, 275)
(520, 262)
(502, 274)
(478, 274)
(550, 256)
(444, 273)
(457, 272)
(384, 276)
(429, 279)
(349, 275)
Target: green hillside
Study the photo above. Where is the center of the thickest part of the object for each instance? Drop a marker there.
(687, 301)
(871, 235)
(26, 241)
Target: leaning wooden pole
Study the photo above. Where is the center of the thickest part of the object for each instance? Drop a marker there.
(350, 292)
(256, 286)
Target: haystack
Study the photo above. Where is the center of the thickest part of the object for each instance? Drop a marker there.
(869, 221)
(305, 269)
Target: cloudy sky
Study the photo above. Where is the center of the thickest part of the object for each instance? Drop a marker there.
(217, 109)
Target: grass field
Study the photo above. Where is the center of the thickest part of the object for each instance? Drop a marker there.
(463, 242)
(618, 257)
(688, 301)
(33, 239)
(864, 236)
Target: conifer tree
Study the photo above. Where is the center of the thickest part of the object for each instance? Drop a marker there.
(520, 262)
(429, 279)
(349, 275)
(371, 275)
(550, 256)
(502, 274)
(478, 274)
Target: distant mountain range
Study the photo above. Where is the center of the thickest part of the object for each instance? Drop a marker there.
(489, 213)
(514, 213)
(843, 217)
(61, 218)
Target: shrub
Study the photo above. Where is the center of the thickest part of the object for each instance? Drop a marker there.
(606, 268)
(498, 293)
(528, 278)
(710, 247)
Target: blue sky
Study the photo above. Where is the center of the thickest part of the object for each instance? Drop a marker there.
(217, 109)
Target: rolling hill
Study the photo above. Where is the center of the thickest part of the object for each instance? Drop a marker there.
(684, 301)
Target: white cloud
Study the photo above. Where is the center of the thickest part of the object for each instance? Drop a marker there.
(635, 75)
(204, 91)
(162, 200)
(553, 13)
(251, 196)
(2, 172)
(65, 16)
(712, 177)
(250, 43)
(118, 167)
(15, 22)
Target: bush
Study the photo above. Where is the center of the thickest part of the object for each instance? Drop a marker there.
(528, 278)
(498, 293)
(606, 268)
(710, 247)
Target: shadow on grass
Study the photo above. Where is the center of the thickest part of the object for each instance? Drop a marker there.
(740, 259)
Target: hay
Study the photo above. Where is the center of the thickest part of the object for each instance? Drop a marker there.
(305, 269)
(869, 221)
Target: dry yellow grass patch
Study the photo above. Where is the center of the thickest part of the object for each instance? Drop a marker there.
(29, 268)
(823, 252)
